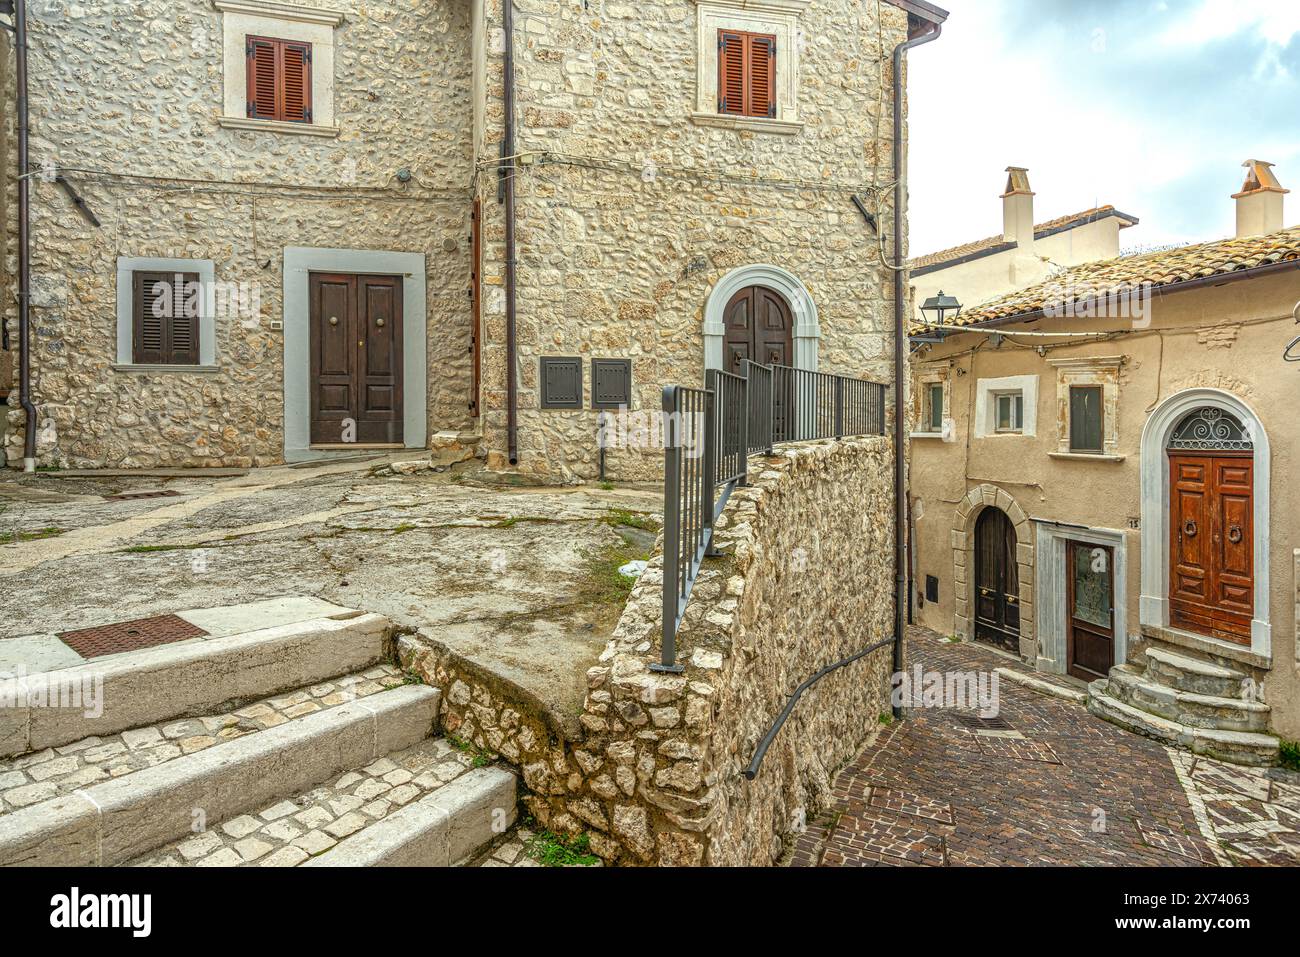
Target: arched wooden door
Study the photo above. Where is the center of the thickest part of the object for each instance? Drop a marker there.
(759, 326)
(997, 582)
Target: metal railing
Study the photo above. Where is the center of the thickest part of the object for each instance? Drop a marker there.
(709, 435)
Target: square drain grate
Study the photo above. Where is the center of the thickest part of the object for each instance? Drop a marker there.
(130, 635)
(132, 496)
(979, 723)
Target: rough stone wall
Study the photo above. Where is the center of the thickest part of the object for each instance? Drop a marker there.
(613, 263)
(653, 773)
(136, 88)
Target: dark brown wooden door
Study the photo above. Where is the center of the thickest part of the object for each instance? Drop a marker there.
(997, 581)
(356, 359)
(1090, 627)
(1211, 542)
(759, 326)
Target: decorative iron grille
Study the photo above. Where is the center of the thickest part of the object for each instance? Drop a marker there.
(1210, 430)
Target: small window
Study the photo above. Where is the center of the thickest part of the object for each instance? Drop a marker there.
(165, 318)
(746, 73)
(1010, 410)
(1086, 418)
(934, 407)
(279, 80)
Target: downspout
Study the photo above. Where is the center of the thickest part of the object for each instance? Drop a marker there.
(24, 241)
(930, 32)
(512, 299)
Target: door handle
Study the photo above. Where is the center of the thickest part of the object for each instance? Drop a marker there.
(1190, 529)
(1234, 534)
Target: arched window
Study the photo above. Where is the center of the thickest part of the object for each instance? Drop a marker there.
(1210, 430)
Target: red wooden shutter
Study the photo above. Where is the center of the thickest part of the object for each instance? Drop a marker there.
(746, 73)
(263, 99)
(731, 72)
(166, 318)
(762, 76)
(297, 82)
(279, 80)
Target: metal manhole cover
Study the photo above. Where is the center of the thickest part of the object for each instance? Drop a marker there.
(130, 635)
(981, 723)
(132, 496)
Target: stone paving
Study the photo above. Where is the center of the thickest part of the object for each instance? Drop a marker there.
(292, 831)
(1057, 786)
(42, 775)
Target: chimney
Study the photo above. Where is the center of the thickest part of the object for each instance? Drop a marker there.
(1018, 208)
(1259, 204)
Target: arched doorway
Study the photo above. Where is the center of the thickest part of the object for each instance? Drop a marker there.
(758, 325)
(799, 301)
(1211, 521)
(997, 581)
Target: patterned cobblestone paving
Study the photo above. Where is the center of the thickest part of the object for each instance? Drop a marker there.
(1059, 787)
(290, 832)
(42, 775)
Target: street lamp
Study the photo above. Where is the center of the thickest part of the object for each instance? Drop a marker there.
(939, 309)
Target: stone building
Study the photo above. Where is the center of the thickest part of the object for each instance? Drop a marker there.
(298, 245)
(1099, 484)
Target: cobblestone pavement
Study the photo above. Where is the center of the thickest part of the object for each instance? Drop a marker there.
(1047, 784)
(290, 832)
(45, 774)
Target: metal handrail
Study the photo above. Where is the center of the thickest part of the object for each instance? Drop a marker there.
(709, 435)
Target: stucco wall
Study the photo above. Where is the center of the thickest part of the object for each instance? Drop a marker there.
(613, 265)
(1229, 338)
(653, 771)
(136, 88)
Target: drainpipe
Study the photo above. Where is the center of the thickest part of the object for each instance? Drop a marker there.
(923, 31)
(24, 242)
(512, 300)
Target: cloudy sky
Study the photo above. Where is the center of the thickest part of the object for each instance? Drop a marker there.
(1147, 105)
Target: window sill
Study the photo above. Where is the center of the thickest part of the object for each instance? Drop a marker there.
(925, 435)
(753, 124)
(133, 367)
(276, 126)
(1087, 456)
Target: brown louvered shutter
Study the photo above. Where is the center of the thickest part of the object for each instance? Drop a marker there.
(731, 72)
(263, 99)
(279, 80)
(165, 317)
(762, 76)
(297, 82)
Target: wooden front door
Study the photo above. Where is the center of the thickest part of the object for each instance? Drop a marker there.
(997, 581)
(356, 359)
(1211, 542)
(1090, 623)
(759, 326)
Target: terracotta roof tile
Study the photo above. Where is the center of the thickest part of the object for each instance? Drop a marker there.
(1164, 268)
(995, 243)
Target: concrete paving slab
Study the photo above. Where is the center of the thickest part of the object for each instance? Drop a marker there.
(227, 620)
(32, 654)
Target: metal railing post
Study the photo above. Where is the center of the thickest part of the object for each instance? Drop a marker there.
(839, 407)
(709, 474)
(672, 528)
(744, 428)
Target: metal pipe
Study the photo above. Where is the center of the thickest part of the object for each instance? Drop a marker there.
(512, 299)
(901, 574)
(751, 772)
(24, 240)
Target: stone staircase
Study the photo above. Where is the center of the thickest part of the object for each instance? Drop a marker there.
(1188, 702)
(294, 745)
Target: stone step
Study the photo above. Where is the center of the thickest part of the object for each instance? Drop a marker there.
(1196, 675)
(422, 806)
(1237, 747)
(1186, 707)
(114, 821)
(182, 680)
(41, 775)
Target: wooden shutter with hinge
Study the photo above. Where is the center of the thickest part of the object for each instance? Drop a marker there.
(746, 73)
(279, 80)
(165, 318)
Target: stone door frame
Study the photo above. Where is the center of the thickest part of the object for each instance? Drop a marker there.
(807, 331)
(963, 557)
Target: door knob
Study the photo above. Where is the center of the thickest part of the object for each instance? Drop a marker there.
(1234, 534)
(1190, 529)
(379, 322)
(334, 320)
